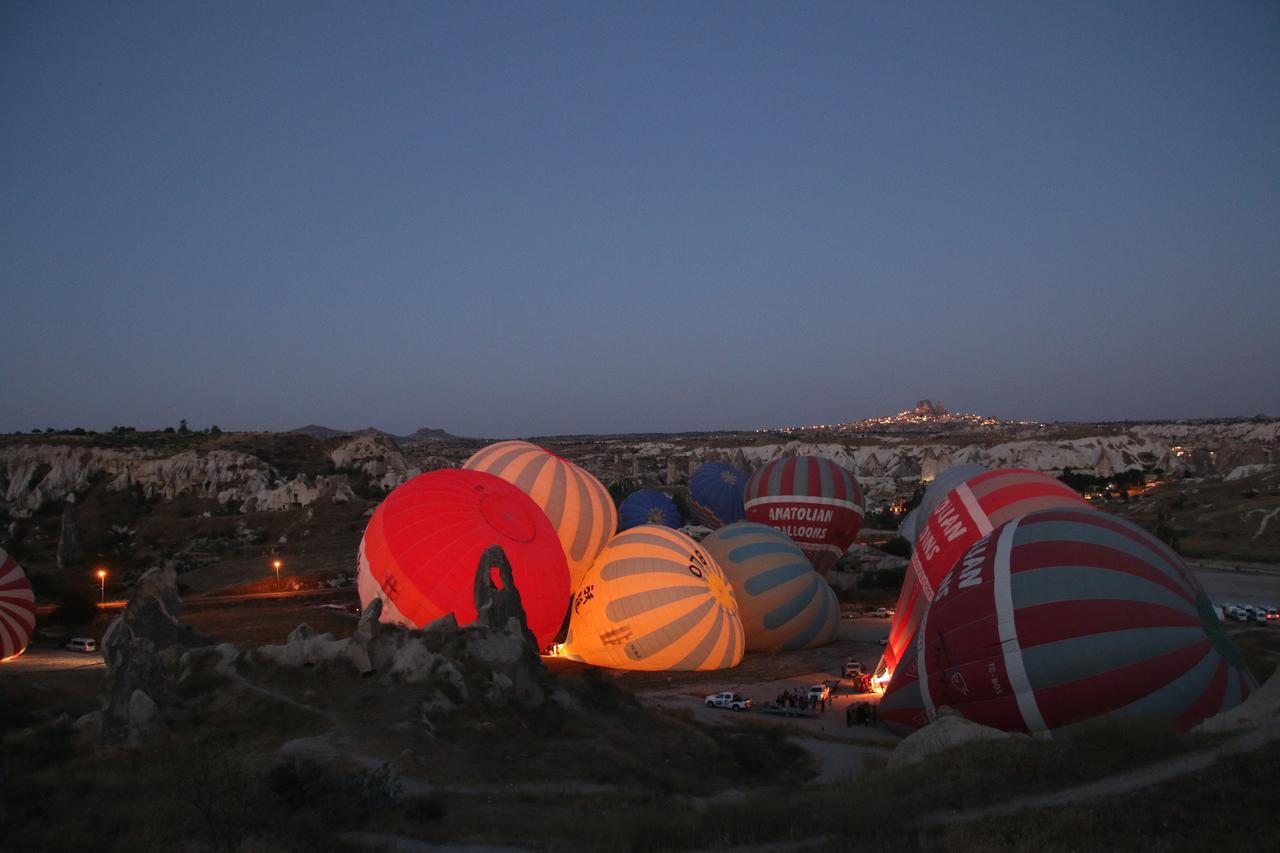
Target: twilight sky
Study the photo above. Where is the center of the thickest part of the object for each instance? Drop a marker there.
(531, 218)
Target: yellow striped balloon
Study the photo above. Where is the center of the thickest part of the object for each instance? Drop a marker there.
(655, 600)
(783, 602)
(579, 507)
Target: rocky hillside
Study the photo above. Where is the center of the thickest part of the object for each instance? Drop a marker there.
(220, 506)
(127, 500)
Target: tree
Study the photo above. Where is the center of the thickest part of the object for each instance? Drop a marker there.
(213, 430)
(182, 426)
(1166, 532)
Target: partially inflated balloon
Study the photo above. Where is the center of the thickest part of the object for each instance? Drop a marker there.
(964, 514)
(939, 487)
(17, 608)
(647, 506)
(715, 494)
(812, 500)
(783, 602)
(1062, 616)
(422, 546)
(579, 507)
(654, 600)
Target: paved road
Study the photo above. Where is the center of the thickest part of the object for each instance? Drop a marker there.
(1241, 587)
(51, 660)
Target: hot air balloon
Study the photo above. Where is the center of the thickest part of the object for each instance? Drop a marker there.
(17, 608)
(939, 487)
(1066, 615)
(654, 600)
(813, 500)
(715, 494)
(965, 513)
(579, 507)
(783, 602)
(422, 546)
(647, 506)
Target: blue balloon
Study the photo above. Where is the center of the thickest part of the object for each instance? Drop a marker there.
(647, 506)
(716, 494)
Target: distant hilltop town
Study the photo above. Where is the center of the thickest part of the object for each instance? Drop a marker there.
(926, 417)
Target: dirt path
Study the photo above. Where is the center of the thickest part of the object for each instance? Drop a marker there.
(837, 762)
(1122, 783)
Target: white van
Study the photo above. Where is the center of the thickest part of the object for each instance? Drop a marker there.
(83, 644)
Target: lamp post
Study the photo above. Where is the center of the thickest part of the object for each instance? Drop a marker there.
(102, 583)
(277, 565)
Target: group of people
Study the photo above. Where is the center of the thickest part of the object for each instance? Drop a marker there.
(862, 713)
(796, 699)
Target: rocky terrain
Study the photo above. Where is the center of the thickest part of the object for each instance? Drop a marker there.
(217, 505)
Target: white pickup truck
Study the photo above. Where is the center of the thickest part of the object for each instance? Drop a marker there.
(729, 699)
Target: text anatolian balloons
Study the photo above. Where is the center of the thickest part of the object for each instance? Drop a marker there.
(1066, 615)
(420, 551)
(812, 500)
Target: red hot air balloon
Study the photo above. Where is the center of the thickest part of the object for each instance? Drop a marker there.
(1062, 616)
(812, 500)
(422, 546)
(961, 517)
(17, 608)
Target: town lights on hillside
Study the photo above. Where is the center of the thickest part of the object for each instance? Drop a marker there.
(102, 584)
(277, 564)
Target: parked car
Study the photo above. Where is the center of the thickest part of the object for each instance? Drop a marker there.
(1260, 616)
(852, 667)
(729, 699)
(1273, 614)
(83, 644)
(880, 613)
(819, 692)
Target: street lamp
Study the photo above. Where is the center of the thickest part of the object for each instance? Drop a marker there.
(277, 565)
(102, 582)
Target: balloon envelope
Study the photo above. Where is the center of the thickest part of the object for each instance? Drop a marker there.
(17, 608)
(654, 600)
(1065, 615)
(715, 494)
(812, 500)
(783, 602)
(420, 551)
(961, 516)
(578, 506)
(938, 488)
(647, 506)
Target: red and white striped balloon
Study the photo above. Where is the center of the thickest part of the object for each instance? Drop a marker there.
(813, 500)
(969, 511)
(1066, 615)
(17, 608)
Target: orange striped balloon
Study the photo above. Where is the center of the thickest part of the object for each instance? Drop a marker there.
(655, 600)
(784, 603)
(578, 506)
